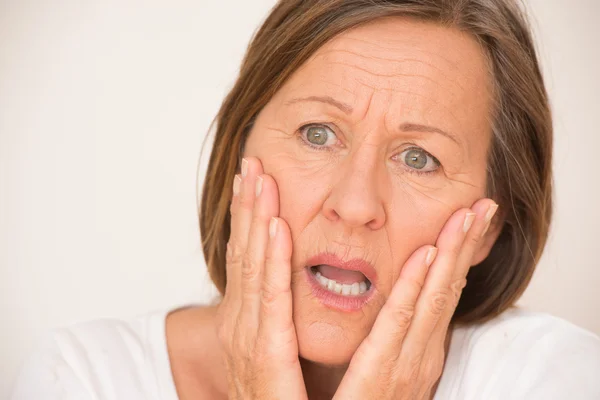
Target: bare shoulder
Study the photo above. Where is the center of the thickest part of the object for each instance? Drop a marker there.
(195, 354)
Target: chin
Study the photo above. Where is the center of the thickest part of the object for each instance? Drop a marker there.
(325, 343)
(327, 335)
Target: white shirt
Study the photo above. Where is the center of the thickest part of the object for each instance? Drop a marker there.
(517, 355)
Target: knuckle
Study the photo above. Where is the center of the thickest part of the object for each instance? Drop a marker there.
(475, 239)
(438, 302)
(246, 203)
(270, 294)
(456, 288)
(233, 256)
(402, 314)
(250, 267)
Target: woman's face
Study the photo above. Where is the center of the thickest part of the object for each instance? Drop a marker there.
(374, 142)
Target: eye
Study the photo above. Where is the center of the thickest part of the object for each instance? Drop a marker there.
(318, 135)
(419, 160)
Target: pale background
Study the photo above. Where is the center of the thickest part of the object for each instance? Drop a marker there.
(103, 108)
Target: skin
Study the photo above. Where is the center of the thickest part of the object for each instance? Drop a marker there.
(373, 88)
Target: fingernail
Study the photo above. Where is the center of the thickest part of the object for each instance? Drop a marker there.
(259, 182)
(237, 181)
(469, 218)
(488, 217)
(244, 167)
(431, 253)
(490, 212)
(273, 227)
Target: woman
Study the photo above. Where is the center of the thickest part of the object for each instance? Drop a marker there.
(378, 195)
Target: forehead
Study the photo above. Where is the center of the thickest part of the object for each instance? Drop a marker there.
(415, 69)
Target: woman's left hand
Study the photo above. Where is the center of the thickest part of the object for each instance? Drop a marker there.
(403, 355)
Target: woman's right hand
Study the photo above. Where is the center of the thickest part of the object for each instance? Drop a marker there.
(255, 325)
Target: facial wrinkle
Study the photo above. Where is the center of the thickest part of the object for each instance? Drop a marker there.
(431, 65)
(407, 184)
(364, 252)
(426, 97)
(388, 75)
(368, 105)
(454, 64)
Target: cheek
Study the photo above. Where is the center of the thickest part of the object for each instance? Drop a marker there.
(415, 218)
(302, 191)
(302, 183)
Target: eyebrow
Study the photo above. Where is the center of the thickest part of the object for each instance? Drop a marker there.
(410, 127)
(347, 109)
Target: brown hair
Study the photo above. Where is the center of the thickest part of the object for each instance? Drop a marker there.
(519, 163)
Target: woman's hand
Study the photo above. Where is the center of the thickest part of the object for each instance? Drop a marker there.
(255, 324)
(403, 355)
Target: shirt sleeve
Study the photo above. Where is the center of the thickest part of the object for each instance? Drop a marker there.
(46, 375)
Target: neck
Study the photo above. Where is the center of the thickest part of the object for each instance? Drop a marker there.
(321, 381)
(191, 333)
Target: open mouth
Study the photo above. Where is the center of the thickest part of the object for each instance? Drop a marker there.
(341, 281)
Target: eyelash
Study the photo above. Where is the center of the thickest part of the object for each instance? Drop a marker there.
(406, 168)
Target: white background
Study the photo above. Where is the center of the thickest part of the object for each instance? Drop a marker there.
(103, 109)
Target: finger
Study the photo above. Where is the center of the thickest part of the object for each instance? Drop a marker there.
(241, 218)
(396, 315)
(381, 346)
(233, 259)
(435, 296)
(276, 294)
(266, 206)
(485, 210)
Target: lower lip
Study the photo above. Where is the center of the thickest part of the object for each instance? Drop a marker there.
(337, 301)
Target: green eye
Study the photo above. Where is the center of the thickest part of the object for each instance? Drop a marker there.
(318, 135)
(420, 160)
(416, 159)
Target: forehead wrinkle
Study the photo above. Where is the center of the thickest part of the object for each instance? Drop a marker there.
(432, 99)
(446, 76)
(340, 86)
(437, 82)
(455, 63)
(404, 89)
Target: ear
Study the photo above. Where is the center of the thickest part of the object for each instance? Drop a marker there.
(487, 242)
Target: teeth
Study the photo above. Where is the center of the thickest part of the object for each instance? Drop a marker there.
(362, 287)
(331, 285)
(338, 288)
(344, 289)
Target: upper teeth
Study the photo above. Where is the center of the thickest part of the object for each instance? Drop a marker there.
(343, 289)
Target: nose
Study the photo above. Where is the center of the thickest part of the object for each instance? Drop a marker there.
(355, 199)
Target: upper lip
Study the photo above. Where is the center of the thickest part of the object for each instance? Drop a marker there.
(355, 264)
